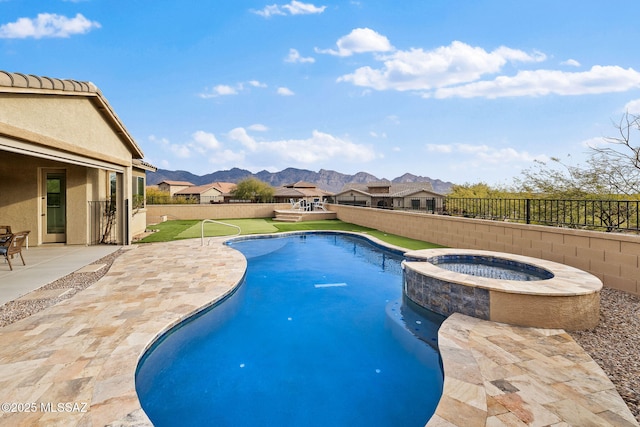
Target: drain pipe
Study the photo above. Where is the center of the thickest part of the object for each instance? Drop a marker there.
(215, 222)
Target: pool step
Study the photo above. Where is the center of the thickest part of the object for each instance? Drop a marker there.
(288, 216)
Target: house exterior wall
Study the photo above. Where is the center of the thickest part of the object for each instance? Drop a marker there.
(354, 197)
(21, 195)
(172, 189)
(138, 222)
(422, 197)
(72, 121)
(78, 128)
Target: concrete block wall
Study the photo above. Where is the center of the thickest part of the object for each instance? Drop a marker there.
(613, 257)
(213, 211)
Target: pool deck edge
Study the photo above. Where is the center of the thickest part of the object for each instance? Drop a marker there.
(86, 350)
(502, 375)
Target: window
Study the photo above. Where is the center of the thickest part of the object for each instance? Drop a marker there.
(113, 186)
(138, 192)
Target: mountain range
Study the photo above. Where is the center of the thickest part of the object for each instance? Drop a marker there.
(325, 179)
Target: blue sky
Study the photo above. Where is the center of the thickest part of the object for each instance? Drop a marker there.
(463, 91)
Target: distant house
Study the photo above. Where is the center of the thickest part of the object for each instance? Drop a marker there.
(215, 192)
(172, 187)
(388, 195)
(298, 191)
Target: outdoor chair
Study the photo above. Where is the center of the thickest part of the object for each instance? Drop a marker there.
(5, 233)
(295, 205)
(319, 205)
(13, 246)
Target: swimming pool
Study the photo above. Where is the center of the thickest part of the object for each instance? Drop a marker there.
(308, 339)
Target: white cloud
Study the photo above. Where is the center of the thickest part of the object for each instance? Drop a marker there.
(477, 155)
(594, 142)
(417, 69)
(220, 90)
(633, 107)
(227, 157)
(181, 151)
(599, 79)
(283, 91)
(458, 70)
(360, 40)
(258, 127)
(241, 135)
(440, 148)
(293, 8)
(226, 90)
(201, 143)
(294, 57)
(255, 83)
(319, 147)
(299, 8)
(205, 140)
(47, 25)
(571, 62)
(374, 134)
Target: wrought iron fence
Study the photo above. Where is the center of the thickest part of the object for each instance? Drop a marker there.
(103, 223)
(605, 215)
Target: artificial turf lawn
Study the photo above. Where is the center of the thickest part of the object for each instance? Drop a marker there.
(190, 229)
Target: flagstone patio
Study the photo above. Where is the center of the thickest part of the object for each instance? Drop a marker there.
(84, 351)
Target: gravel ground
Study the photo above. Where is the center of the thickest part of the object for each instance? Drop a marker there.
(74, 282)
(614, 344)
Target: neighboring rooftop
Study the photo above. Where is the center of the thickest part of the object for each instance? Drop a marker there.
(395, 189)
(221, 187)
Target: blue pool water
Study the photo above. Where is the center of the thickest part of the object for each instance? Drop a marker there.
(491, 267)
(310, 339)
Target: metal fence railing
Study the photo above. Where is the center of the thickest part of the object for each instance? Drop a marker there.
(604, 215)
(103, 222)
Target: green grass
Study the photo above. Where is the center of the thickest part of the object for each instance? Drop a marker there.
(190, 229)
(248, 226)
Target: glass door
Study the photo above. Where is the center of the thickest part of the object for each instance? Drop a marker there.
(55, 209)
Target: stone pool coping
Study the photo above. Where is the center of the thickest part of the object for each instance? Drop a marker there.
(85, 350)
(569, 300)
(567, 280)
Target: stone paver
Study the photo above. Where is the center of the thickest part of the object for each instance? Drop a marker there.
(73, 364)
(84, 351)
(501, 375)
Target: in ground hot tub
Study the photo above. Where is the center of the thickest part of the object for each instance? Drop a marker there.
(503, 287)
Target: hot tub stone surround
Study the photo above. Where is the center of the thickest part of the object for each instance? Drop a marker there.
(569, 300)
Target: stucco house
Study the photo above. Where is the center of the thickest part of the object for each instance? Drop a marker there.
(214, 192)
(388, 195)
(298, 191)
(172, 187)
(70, 172)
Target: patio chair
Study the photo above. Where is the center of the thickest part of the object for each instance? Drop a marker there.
(13, 246)
(5, 233)
(295, 205)
(319, 205)
(304, 205)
